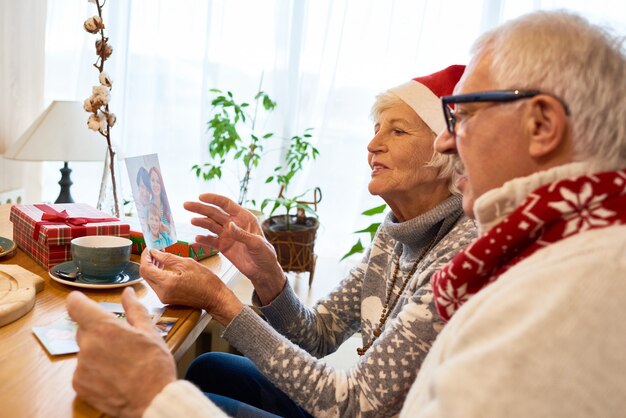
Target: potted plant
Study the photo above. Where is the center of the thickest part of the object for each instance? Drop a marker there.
(293, 235)
(228, 119)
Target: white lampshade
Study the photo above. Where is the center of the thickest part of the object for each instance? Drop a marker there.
(60, 133)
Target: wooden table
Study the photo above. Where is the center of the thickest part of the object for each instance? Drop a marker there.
(35, 384)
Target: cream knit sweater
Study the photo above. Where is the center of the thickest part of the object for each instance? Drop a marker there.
(547, 339)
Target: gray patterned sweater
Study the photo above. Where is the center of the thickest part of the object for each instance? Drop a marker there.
(288, 351)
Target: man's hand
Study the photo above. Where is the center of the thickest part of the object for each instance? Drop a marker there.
(186, 282)
(121, 366)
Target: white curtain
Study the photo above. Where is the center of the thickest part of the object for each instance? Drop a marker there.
(323, 61)
(22, 36)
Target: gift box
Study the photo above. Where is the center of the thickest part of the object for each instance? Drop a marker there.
(45, 231)
(185, 246)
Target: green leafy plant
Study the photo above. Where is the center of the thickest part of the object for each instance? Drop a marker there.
(228, 120)
(300, 150)
(370, 230)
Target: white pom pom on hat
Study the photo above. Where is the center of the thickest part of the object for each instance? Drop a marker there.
(423, 94)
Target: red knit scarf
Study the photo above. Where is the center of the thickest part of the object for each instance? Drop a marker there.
(549, 214)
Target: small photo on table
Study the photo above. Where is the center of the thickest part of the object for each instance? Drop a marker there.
(153, 208)
(59, 337)
(165, 324)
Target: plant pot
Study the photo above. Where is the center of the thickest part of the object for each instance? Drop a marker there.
(294, 246)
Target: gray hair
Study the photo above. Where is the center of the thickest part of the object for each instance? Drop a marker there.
(443, 162)
(583, 64)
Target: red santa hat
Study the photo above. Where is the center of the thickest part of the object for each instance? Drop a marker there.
(424, 94)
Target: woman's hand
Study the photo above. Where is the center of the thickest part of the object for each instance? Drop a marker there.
(239, 238)
(219, 211)
(186, 282)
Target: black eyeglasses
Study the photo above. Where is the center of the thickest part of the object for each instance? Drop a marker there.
(499, 96)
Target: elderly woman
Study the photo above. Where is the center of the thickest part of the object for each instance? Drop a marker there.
(387, 297)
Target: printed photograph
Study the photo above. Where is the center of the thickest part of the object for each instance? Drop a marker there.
(153, 208)
(59, 337)
(165, 324)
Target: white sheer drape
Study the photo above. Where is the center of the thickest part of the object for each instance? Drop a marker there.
(323, 61)
(22, 35)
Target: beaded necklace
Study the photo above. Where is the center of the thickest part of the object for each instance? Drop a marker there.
(387, 309)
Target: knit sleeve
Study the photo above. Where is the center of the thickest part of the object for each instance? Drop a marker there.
(319, 330)
(182, 399)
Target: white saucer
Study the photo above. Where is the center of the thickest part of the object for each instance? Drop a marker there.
(128, 277)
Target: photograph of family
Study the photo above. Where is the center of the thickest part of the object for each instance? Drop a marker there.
(153, 209)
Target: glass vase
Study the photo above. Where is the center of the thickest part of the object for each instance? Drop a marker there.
(110, 197)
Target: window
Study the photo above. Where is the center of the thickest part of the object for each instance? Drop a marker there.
(322, 61)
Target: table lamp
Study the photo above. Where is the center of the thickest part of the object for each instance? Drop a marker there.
(60, 133)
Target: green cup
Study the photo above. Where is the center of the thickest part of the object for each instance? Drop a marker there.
(101, 258)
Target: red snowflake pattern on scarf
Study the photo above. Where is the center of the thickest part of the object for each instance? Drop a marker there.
(549, 214)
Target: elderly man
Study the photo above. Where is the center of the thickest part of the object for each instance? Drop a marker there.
(536, 305)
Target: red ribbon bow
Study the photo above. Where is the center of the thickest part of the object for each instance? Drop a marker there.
(52, 217)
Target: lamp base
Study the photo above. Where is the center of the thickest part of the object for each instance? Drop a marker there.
(65, 196)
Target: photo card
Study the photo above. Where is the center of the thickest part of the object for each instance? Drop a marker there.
(59, 337)
(153, 208)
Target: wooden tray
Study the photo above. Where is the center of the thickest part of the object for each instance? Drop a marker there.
(18, 287)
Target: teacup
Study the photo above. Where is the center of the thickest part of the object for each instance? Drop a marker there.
(101, 257)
